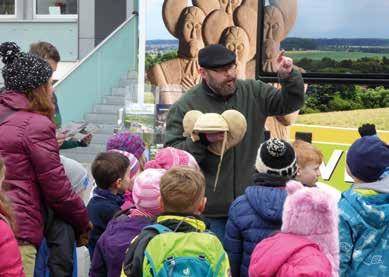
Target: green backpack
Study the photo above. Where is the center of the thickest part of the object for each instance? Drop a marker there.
(178, 254)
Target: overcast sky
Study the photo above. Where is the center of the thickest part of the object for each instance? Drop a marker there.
(316, 19)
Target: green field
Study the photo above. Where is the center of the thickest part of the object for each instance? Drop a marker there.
(348, 119)
(335, 55)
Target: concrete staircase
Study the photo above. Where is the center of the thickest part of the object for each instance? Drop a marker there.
(107, 115)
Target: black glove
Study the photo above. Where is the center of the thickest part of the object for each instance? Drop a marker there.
(367, 130)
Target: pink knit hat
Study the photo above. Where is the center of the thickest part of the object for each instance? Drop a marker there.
(146, 191)
(169, 157)
(313, 213)
(134, 164)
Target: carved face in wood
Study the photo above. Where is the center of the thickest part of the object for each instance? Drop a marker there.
(236, 39)
(190, 29)
(274, 29)
(229, 5)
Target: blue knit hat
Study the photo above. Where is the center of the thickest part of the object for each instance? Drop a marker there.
(367, 158)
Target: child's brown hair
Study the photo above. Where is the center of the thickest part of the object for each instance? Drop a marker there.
(306, 153)
(182, 189)
(45, 50)
(5, 205)
(109, 167)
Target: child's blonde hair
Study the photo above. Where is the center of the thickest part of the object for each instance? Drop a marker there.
(306, 153)
(182, 189)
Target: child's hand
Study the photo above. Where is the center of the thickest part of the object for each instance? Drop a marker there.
(83, 239)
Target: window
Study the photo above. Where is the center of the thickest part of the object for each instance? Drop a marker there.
(335, 41)
(7, 8)
(56, 8)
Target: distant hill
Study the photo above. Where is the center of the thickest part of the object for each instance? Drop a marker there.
(373, 45)
(161, 41)
(161, 45)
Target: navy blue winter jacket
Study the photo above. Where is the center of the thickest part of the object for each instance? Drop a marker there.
(253, 217)
(101, 208)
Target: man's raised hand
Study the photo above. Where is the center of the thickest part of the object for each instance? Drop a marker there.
(285, 65)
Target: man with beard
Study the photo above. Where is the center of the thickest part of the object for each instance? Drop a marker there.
(220, 91)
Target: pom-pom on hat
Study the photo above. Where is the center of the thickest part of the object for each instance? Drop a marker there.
(276, 157)
(23, 72)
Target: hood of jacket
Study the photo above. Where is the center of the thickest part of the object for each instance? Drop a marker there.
(14, 100)
(267, 199)
(374, 209)
(381, 186)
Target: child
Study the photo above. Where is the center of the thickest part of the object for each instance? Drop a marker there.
(308, 243)
(10, 259)
(121, 230)
(111, 173)
(309, 159)
(50, 54)
(257, 213)
(134, 171)
(178, 243)
(364, 210)
(57, 254)
(129, 142)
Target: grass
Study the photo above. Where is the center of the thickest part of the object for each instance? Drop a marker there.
(335, 55)
(349, 119)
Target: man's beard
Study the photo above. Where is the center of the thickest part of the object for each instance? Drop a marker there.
(225, 88)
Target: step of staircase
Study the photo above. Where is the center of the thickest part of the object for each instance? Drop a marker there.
(107, 108)
(114, 100)
(105, 115)
(101, 118)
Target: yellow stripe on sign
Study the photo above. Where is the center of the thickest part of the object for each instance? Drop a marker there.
(333, 134)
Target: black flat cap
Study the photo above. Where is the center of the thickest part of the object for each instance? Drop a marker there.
(216, 55)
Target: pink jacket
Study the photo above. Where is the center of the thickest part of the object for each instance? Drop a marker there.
(10, 259)
(287, 255)
(313, 213)
(34, 174)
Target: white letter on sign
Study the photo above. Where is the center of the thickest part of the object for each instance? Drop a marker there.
(327, 170)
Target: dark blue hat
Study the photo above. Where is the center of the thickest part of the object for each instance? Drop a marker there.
(216, 55)
(367, 158)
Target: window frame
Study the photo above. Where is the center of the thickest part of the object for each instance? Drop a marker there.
(310, 77)
(53, 17)
(11, 16)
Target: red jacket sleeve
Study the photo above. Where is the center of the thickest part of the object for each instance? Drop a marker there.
(56, 188)
(10, 259)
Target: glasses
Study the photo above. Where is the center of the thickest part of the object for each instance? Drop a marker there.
(224, 68)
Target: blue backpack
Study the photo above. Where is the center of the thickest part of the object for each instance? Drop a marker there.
(179, 254)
